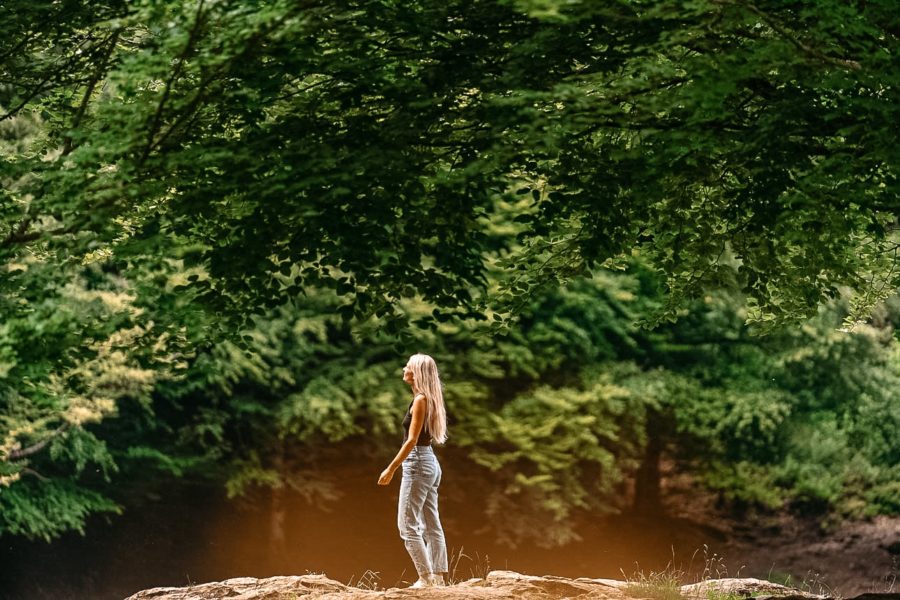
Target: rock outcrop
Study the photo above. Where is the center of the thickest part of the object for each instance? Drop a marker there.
(497, 584)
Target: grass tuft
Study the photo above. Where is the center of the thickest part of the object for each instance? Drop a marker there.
(367, 581)
(811, 583)
(714, 566)
(657, 585)
(479, 566)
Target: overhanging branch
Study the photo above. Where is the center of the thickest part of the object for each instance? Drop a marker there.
(34, 448)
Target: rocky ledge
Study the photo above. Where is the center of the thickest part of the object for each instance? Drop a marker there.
(497, 584)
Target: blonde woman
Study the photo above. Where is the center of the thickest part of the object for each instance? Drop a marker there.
(417, 511)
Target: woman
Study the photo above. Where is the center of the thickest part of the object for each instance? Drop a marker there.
(417, 511)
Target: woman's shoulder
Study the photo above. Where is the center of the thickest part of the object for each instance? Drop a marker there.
(418, 396)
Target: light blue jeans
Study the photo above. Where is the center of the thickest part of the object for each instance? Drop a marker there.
(417, 511)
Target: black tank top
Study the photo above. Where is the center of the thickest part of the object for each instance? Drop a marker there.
(424, 436)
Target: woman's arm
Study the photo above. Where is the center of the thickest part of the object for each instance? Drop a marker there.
(415, 426)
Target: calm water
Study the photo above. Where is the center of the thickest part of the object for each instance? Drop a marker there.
(192, 534)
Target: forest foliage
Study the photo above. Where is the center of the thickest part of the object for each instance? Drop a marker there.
(225, 224)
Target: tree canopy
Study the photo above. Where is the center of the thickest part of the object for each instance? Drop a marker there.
(282, 144)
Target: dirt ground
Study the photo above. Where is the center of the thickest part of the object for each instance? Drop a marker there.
(812, 553)
(851, 559)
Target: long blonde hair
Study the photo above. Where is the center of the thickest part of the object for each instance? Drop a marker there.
(428, 382)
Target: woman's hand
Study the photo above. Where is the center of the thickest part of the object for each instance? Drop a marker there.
(386, 476)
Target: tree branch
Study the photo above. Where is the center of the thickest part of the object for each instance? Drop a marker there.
(840, 62)
(68, 144)
(30, 471)
(18, 235)
(51, 76)
(23, 452)
(182, 57)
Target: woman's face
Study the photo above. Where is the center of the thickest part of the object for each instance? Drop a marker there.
(408, 374)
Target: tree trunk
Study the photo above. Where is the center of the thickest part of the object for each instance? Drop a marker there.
(647, 485)
(278, 514)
